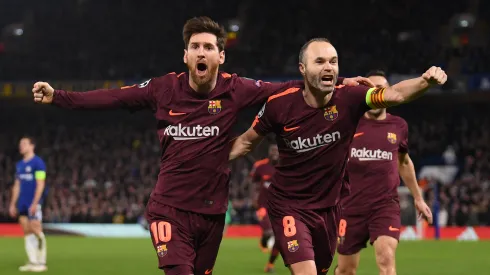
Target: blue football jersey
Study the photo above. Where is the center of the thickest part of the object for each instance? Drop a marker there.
(27, 172)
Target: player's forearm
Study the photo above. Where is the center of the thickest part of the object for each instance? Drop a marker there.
(244, 144)
(407, 173)
(405, 91)
(15, 193)
(39, 191)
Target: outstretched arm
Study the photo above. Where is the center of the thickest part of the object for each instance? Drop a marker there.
(407, 90)
(131, 97)
(245, 143)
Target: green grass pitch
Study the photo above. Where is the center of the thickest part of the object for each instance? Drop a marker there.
(94, 256)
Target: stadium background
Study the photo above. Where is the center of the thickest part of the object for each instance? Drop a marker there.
(102, 164)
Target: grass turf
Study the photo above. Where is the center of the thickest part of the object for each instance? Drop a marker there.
(94, 256)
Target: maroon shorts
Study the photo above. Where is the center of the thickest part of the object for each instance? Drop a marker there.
(264, 221)
(304, 234)
(361, 226)
(185, 238)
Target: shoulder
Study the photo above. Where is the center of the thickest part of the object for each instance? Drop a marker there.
(165, 80)
(398, 120)
(285, 94)
(38, 161)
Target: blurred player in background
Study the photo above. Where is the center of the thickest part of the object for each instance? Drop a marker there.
(28, 194)
(314, 127)
(262, 173)
(195, 112)
(378, 157)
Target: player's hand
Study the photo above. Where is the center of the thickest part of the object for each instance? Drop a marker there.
(33, 209)
(355, 81)
(12, 211)
(423, 210)
(43, 92)
(435, 76)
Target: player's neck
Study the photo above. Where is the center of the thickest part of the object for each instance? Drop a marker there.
(380, 116)
(204, 88)
(315, 99)
(28, 156)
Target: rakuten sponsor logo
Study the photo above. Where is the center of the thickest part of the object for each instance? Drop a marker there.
(306, 144)
(368, 155)
(180, 132)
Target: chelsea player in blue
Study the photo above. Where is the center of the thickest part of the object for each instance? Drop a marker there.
(27, 196)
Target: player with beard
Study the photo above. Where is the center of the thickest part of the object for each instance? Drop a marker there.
(378, 158)
(261, 173)
(313, 137)
(195, 112)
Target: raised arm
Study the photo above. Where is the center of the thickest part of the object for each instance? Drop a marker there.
(407, 90)
(245, 143)
(131, 97)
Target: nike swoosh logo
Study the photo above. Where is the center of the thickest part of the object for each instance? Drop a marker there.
(391, 228)
(358, 134)
(290, 129)
(325, 270)
(208, 271)
(175, 114)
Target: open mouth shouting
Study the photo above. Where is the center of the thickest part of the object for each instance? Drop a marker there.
(327, 79)
(202, 69)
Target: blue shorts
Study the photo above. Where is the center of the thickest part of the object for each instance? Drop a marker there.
(23, 209)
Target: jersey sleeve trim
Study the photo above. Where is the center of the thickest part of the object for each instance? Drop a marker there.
(288, 91)
(40, 175)
(375, 98)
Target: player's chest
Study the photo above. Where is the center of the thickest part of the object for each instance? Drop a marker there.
(323, 125)
(385, 137)
(216, 111)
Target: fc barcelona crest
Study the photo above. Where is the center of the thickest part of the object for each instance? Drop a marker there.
(392, 138)
(331, 113)
(214, 107)
(162, 250)
(293, 246)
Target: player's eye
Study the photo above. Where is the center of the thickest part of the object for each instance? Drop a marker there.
(194, 46)
(209, 47)
(333, 62)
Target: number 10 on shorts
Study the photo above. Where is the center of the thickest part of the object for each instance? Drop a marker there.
(161, 231)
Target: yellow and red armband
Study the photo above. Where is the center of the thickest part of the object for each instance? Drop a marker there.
(375, 98)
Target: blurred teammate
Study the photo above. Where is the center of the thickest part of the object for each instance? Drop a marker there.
(195, 111)
(262, 172)
(314, 126)
(28, 194)
(378, 157)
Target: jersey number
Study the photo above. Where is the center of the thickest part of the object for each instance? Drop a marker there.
(289, 226)
(342, 227)
(162, 231)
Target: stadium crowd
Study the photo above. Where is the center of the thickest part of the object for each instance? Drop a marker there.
(101, 166)
(136, 40)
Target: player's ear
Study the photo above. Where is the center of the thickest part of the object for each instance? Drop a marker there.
(185, 56)
(221, 57)
(302, 69)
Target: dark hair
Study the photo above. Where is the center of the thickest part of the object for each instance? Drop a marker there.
(30, 138)
(204, 24)
(305, 46)
(376, 73)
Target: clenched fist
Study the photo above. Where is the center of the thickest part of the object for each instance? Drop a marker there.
(43, 92)
(435, 76)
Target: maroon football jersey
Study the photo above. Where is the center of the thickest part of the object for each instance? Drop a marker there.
(373, 161)
(313, 145)
(262, 173)
(194, 131)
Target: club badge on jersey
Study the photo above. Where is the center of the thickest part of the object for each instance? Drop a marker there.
(392, 138)
(214, 107)
(331, 113)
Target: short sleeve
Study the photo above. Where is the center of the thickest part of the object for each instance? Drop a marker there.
(263, 122)
(403, 147)
(250, 92)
